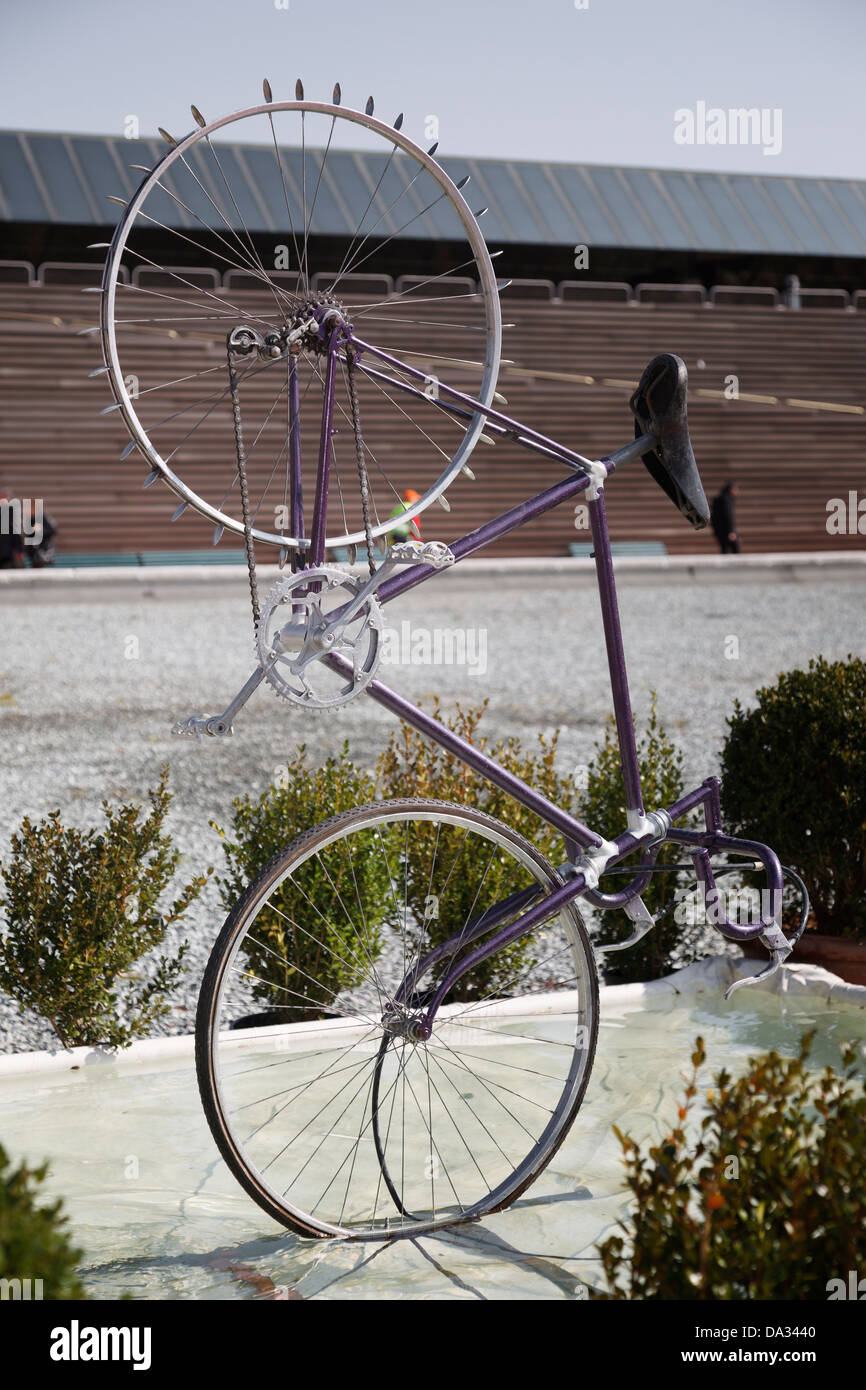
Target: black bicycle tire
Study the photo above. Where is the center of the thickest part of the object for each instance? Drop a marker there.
(209, 996)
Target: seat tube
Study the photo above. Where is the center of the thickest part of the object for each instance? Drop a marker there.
(616, 658)
(296, 487)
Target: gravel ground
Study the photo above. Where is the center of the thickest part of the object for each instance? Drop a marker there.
(84, 718)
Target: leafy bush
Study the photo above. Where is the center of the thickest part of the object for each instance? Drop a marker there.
(413, 765)
(81, 907)
(33, 1239)
(286, 946)
(602, 807)
(767, 1202)
(794, 777)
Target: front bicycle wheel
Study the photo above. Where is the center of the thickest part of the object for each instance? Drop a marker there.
(330, 1115)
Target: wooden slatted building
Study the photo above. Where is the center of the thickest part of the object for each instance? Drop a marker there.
(776, 392)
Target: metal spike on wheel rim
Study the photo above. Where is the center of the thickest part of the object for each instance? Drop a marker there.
(368, 109)
(337, 94)
(266, 89)
(463, 182)
(125, 453)
(443, 502)
(434, 147)
(179, 511)
(140, 168)
(198, 117)
(485, 439)
(479, 213)
(151, 478)
(113, 198)
(165, 135)
(98, 245)
(352, 554)
(497, 395)
(468, 471)
(110, 409)
(217, 535)
(99, 371)
(284, 555)
(299, 90)
(399, 121)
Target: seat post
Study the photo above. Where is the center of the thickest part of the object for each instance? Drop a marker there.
(616, 658)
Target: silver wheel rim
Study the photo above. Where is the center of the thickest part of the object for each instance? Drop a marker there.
(573, 1083)
(487, 282)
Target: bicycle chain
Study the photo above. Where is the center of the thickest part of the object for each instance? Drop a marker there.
(359, 456)
(360, 462)
(245, 500)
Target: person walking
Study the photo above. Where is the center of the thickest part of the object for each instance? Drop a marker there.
(412, 529)
(44, 553)
(723, 520)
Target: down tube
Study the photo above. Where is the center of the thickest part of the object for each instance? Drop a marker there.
(572, 829)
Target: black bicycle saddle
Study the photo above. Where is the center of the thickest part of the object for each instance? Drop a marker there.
(659, 407)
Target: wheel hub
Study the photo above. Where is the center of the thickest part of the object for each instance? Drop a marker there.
(308, 323)
(404, 1023)
(306, 330)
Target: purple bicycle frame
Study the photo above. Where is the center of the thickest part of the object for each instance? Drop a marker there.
(582, 881)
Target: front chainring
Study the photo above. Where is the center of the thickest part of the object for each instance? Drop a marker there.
(294, 642)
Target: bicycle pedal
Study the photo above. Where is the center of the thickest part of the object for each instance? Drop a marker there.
(199, 725)
(435, 553)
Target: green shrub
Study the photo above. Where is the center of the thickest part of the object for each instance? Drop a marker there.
(767, 1201)
(794, 777)
(34, 1243)
(286, 947)
(81, 907)
(413, 765)
(602, 807)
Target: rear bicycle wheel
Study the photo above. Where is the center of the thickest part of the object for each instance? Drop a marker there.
(331, 194)
(330, 1116)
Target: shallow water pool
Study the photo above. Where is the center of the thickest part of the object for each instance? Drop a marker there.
(158, 1216)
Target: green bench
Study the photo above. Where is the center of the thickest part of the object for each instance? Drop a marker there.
(139, 558)
(192, 557)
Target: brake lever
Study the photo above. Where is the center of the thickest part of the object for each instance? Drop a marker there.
(779, 947)
(643, 920)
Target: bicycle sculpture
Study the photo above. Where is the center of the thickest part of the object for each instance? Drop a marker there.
(386, 1095)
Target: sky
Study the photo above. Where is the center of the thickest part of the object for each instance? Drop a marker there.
(582, 81)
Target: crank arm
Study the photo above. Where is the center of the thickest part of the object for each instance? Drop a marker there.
(218, 725)
(325, 641)
(434, 553)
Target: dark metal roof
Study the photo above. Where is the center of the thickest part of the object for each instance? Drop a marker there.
(64, 178)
